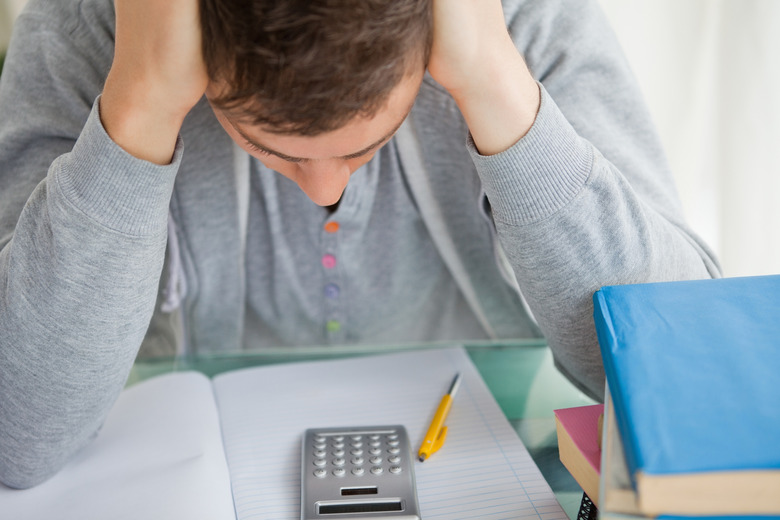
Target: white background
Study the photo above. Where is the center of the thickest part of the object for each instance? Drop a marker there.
(711, 76)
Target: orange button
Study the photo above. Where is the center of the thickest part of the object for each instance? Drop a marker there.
(331, 227)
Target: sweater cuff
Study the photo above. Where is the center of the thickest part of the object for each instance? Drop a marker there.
(112, 187)
(540, 173)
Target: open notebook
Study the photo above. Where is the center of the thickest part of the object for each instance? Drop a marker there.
(183, 446)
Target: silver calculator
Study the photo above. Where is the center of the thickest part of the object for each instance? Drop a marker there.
(358, 473)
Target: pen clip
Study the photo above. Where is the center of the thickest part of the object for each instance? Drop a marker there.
(439, 440)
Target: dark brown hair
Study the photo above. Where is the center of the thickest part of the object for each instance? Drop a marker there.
(310, 66)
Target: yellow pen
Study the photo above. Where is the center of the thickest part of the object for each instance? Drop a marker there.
(434, 439)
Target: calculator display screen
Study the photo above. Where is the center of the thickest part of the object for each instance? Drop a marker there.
(360, 507)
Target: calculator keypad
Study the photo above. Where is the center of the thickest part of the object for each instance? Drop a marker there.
(371, 453)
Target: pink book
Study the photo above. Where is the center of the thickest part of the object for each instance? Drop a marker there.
(578, 445)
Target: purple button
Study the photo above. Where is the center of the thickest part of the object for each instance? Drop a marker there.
(329, 261)
(332, 291)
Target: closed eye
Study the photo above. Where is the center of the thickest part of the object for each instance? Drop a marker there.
(252, 146)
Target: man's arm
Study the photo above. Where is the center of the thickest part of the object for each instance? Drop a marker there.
(157, 76)
(475, 59)
(83, 226)
(580, 191)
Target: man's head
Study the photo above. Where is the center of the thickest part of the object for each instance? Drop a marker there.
(313, 88)
(306, 67)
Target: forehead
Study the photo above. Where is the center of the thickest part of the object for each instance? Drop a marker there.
(358, 134)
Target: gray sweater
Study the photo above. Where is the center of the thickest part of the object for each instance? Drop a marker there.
(97, 247)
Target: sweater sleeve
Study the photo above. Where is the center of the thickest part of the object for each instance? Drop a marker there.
(585, 198)
(82, 243)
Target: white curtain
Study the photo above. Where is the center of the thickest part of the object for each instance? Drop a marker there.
(9, 9)
(710, 73)
(711, 76)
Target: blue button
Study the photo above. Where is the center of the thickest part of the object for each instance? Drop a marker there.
(332, 291)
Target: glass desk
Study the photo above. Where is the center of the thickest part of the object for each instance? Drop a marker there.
(520, 374)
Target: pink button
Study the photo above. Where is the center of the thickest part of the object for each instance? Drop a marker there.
(329, 261)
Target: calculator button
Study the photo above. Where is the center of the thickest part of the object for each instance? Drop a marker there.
(320, 473)
(375, 460)
(357, 461)
(357, 451)
(376, 470)
(319, 453)
(320, 462)
(338, 438)
(356, 437)
(394, 450)
(338, 461)
(392, 436)
(319, 438)
(320, 446)
(375, 443)
(358, 471)
(338, 445)
(357, 444)
(339, 472)
(392, 443)
(374, 437)
(375, 451)
(393, 459)
(338, 453)
(395, 469)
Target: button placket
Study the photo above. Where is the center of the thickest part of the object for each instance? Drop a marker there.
(331, 290)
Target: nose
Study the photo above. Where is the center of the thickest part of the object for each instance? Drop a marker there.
(323, 181)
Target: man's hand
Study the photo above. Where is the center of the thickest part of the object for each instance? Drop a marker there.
(157, 76)
(474, 58)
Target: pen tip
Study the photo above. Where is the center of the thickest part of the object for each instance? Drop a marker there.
(422, 458)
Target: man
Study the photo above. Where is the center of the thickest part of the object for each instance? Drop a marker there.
(326, 189)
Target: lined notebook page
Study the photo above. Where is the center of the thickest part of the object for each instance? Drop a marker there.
(482, 471)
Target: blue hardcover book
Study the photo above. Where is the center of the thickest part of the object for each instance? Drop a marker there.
(693, 370)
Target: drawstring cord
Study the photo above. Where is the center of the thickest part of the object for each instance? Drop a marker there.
(176, 286)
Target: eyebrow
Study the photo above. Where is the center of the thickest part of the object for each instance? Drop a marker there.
(289, 158)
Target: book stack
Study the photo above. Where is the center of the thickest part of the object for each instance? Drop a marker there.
(692, 422)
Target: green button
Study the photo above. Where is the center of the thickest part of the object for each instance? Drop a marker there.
(333, 326)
